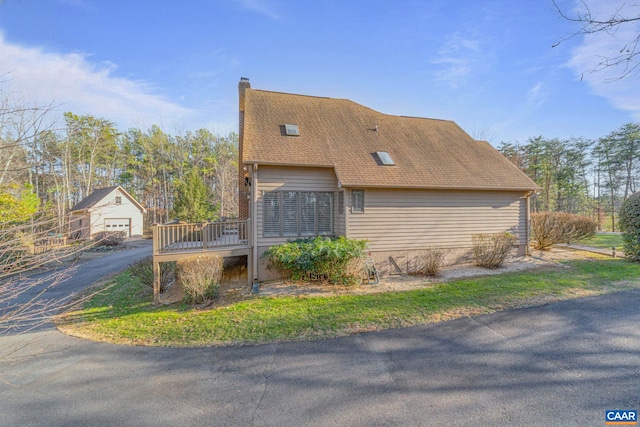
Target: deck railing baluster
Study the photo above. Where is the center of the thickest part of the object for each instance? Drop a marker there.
(201, 237)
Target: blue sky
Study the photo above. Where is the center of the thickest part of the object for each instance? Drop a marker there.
(488, 65)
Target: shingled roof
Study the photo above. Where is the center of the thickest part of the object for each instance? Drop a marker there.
(100, 193)
(341, 134)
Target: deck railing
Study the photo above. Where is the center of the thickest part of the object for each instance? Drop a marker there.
(200, 237)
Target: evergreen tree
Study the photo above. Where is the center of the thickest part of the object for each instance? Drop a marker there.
(192, 199)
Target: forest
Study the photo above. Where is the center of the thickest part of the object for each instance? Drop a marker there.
(581, 176)
(59, 162)
(49, 165)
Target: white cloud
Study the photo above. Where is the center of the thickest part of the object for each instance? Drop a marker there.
(263, 7)
(75, 83)
(623, 92)
(536, 96)
(458, 57)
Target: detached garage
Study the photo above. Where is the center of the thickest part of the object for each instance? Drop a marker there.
(107, 209)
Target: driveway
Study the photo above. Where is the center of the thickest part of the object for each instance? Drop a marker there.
(82, 275)
(560, 364)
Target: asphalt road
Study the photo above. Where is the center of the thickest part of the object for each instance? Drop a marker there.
(74, 279)
(562, 364)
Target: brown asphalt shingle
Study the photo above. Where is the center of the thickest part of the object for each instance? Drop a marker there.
(93, 198)
(339, 133)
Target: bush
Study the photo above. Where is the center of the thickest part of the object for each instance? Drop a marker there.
(630, 225)
(110, 238)
(143, 270)
(430, 262)
(199, 276)
(337, 260)
(490, 250)
(551, 228)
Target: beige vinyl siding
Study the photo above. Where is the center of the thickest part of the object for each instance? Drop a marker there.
(277, 178)
(395, 220)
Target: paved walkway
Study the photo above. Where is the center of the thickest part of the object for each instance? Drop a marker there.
(618, 251)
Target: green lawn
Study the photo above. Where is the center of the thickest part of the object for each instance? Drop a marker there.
(604, 240)
(122, 312)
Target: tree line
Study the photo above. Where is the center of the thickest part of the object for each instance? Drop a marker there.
(63, 161)
(582, 176)
(193, 175)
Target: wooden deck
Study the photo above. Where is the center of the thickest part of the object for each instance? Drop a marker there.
(172, 242)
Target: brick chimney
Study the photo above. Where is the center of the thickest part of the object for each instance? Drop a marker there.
(243, 188)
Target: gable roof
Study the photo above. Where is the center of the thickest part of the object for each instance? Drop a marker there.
(344, 135)
(99, 194)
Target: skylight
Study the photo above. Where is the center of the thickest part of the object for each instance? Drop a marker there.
(385, 158)
(291, 130)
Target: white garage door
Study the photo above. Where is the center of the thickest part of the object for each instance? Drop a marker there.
(118, 224)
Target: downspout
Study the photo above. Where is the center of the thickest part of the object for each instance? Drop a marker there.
(528, 226)
(254, 222)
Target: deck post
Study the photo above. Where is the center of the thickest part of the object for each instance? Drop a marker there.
(249, 233)
(156, 283)
(204, 230)
(156, 265)
(154, 237)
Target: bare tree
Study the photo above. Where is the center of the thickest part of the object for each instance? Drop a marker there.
(625, 58)
(29, 236)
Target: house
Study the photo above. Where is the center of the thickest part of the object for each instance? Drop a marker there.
(106, 209)
(323, 166)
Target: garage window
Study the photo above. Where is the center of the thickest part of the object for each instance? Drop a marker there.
(118, 200)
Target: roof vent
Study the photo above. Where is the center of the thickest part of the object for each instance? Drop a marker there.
(385, 158)
(291, 130)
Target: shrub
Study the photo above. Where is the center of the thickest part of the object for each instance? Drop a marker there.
(550, 228)
(490, 250)
(334, 259)
(630, 225)
(110, 238)
(199, 276)
(143, 270)
(430, 262)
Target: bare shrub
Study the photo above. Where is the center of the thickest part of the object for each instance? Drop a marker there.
(577, 227)
(551, 228)
(199, 276)
(490, 250)
(110, 238)
(430, 262)
(143, 270)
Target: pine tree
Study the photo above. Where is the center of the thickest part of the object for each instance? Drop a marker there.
(191, 202)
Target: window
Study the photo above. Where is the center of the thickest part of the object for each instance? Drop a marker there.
(341, 202)
(118, 200)
(385, 158)
(324, 214)
(291, 130)
(271, 214)
(357, 200)
(297, 213)
(308, 214)
(289, 213)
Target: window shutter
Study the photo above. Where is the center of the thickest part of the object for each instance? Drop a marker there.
(290, 213)
(307, 214)
(325, 214)
(270, 214)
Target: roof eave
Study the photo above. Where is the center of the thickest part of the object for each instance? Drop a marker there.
(440, 187)
(299, 165)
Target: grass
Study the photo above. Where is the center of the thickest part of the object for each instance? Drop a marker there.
(122, 312)
(604, 240)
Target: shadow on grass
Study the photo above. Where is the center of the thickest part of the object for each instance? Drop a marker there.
(124, 309)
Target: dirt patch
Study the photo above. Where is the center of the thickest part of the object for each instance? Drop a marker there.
(233, 285)
(536, 260)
